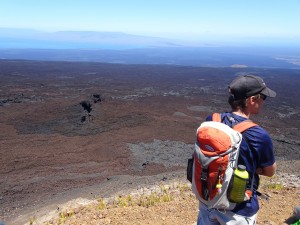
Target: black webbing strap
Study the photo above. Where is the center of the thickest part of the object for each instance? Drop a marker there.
(205, 191)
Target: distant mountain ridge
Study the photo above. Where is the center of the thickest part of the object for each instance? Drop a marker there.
(28, 38)
(119, 47)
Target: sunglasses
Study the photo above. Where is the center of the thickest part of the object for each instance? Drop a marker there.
(262, 96)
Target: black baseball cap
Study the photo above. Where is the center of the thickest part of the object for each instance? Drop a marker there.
(248, 85)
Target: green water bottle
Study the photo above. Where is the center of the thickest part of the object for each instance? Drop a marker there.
(238, 188)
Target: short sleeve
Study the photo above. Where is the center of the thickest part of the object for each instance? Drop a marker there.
(263, 146)
(267, 153)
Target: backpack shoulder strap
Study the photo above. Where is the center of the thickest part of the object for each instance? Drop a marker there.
(216, 117)
(242, 126)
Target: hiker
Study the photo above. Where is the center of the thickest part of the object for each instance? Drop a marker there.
(247, 96)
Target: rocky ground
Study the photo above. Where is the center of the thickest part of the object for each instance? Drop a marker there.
(90, 130)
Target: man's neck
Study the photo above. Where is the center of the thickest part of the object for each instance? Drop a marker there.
(242, 114)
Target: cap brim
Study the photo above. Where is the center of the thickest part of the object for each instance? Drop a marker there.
(268, 92)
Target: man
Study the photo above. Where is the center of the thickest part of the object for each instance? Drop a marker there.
(247, 96)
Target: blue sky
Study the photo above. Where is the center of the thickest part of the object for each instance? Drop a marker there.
(184, 19)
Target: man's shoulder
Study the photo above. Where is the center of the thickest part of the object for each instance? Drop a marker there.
(258, 129)
(258, 134)
(229, 118)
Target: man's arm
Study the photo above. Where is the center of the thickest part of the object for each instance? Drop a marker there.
(268, 171)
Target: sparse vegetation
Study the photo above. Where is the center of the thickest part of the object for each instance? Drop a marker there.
(272, 183)
(120, 208)
(32, 220)
(160, 195)
(101, 204)
(124, 201)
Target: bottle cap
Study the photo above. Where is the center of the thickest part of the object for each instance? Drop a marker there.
(241, 167)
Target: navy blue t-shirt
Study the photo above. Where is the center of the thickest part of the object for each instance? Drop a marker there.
(259, 155)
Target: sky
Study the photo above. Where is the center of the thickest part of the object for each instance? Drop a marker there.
(180, 19)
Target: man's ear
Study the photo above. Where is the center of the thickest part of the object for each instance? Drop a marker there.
(250, 100)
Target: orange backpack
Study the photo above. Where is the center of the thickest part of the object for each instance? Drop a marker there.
(214, 160)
